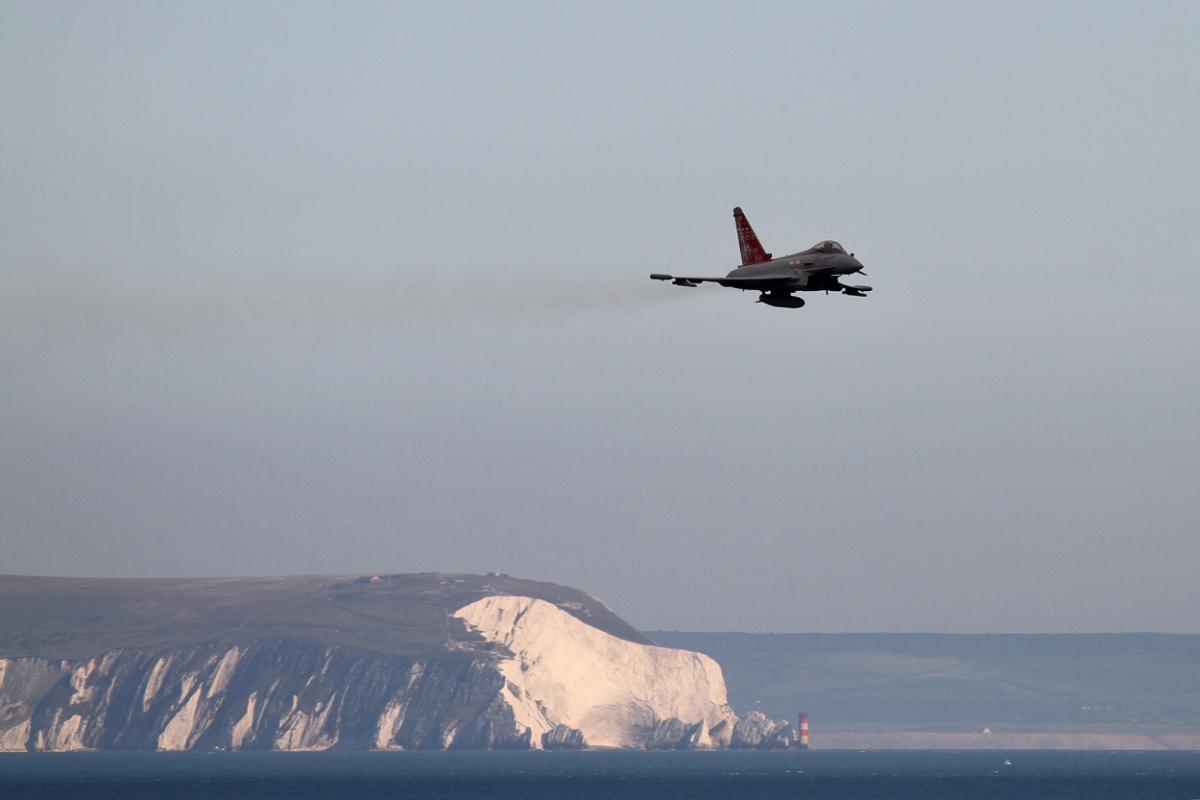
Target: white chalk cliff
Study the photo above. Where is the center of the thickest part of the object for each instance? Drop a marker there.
(617, 693)
(389, 662)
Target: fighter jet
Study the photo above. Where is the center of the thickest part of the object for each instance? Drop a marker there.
(816, 269)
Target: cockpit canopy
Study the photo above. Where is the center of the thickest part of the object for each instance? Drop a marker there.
(828, 246)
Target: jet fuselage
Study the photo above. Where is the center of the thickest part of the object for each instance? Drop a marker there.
(809, 271)
(816, 269)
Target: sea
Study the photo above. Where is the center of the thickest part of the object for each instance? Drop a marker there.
(819, 775)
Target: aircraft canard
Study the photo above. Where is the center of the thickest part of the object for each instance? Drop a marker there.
(817, 269)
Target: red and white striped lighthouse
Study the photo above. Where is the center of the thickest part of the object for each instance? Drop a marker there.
(803, 730)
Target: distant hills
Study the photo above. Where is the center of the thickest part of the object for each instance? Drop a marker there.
(947, 682)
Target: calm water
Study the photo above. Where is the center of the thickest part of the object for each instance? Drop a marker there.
(583, 776)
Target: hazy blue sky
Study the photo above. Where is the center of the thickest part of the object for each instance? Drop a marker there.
(321, 287)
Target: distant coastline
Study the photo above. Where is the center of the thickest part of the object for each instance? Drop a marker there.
(1029, 740)
(1134, 691)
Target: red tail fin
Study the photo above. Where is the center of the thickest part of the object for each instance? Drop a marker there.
(752, 249)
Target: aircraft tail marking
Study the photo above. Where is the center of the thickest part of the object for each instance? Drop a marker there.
(752, 249)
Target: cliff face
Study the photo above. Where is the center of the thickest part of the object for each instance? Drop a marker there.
(615, 693)
(436, 663)
(279, 695)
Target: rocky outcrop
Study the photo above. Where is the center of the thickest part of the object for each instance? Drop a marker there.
(563, 737)
(755, 730)
(674, 734)
(720, 734)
